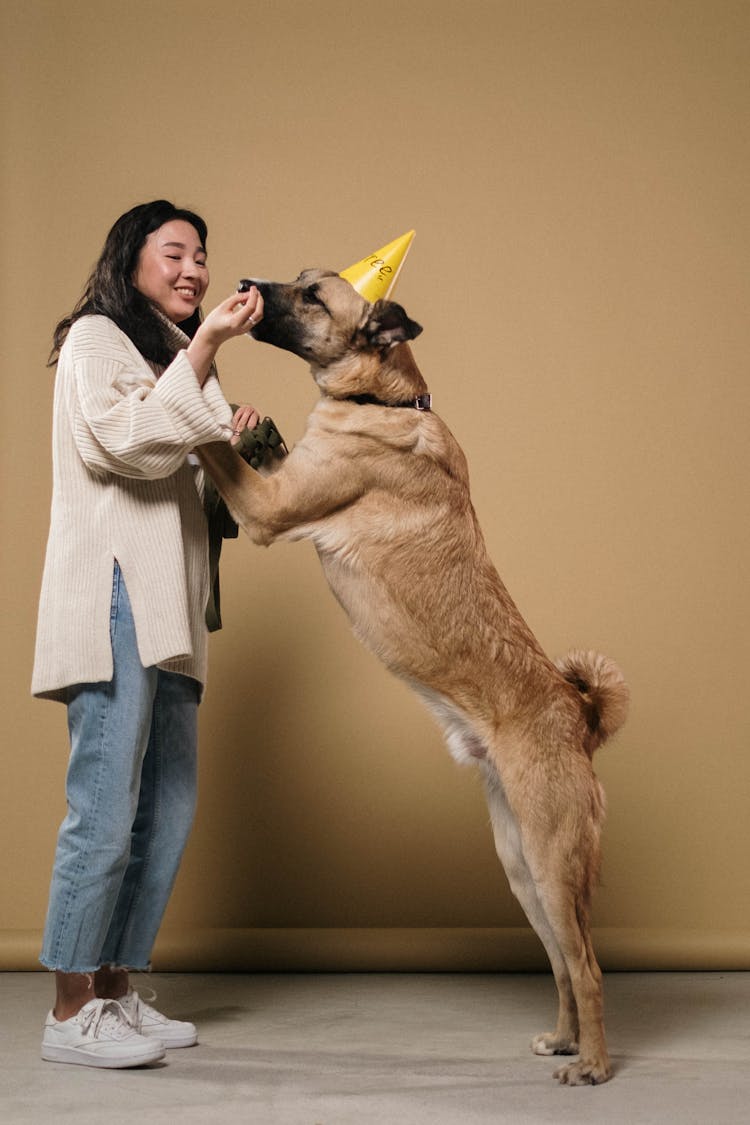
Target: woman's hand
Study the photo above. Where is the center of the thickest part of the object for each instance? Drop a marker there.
(235, 316)
(245, 418)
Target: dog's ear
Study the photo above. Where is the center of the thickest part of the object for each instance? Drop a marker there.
(387, 324)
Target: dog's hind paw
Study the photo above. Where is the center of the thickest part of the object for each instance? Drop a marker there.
(551, 1044)
(583, 1073)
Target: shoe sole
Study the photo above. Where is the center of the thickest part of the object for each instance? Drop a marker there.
(186, 1039)
(171, 1044)
(79, 1057)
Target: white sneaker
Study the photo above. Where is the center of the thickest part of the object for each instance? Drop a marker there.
(99, 1035)
(148, 1022)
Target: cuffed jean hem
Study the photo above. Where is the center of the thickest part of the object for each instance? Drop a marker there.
(104, 964)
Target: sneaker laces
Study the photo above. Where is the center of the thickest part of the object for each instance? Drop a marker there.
(105, 1018)
(146, 999)
(135, 1008)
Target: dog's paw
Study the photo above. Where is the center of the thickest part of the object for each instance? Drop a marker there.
(551, 1044)
(584, 1073)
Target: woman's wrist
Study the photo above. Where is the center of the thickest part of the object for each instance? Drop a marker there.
(201, 351)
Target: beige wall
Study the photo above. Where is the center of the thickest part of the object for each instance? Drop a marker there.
(577, 175)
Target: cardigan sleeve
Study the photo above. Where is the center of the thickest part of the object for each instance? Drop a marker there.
(127, 421)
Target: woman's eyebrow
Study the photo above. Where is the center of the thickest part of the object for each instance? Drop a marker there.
(181, 246)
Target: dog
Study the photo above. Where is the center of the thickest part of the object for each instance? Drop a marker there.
(380, 485)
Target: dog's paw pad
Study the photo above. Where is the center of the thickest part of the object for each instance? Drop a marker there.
(583, 1073)
(549, 1044)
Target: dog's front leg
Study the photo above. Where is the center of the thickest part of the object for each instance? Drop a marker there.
(244, 490)
(302, 489)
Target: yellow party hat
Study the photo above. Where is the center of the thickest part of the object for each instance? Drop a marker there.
(375, 276)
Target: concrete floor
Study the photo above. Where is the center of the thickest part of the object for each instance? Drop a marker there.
(394, 1050)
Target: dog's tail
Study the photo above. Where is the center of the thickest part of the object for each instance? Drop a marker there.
(604, 693)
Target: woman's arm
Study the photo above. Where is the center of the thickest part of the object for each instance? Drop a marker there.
(125, 420)
(233, 317)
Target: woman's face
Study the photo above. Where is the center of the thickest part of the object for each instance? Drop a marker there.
(172, 270)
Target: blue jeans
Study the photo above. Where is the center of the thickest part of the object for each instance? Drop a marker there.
(131, 790)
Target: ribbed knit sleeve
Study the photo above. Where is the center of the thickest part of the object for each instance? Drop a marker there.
(128, 422)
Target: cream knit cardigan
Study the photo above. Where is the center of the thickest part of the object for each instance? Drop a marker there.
(124, 490)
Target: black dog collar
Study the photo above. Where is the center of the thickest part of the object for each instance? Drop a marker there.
(421, 402)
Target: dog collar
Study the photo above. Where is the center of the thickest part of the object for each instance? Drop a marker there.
(421, 402)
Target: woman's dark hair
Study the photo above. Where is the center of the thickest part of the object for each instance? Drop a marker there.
(110, 290)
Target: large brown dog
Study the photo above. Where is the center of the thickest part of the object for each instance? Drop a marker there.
(381, 487)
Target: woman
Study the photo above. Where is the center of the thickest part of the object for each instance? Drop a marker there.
(121, 638)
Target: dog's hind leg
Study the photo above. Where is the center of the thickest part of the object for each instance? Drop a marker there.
(569, 919)
(564, 1039)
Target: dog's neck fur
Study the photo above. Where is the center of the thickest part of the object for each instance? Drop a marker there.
(393, 379)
